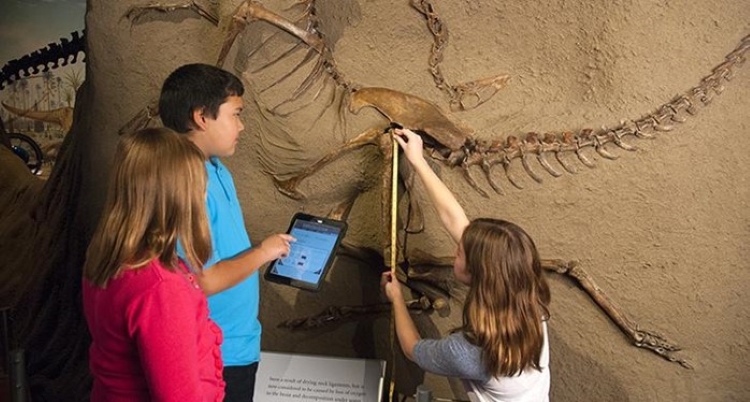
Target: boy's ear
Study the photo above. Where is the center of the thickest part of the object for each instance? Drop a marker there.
(199, 118)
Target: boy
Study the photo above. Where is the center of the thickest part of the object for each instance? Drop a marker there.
(204, 103)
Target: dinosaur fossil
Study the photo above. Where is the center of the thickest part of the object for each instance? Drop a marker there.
(52, 56)
(62, 116)
(447, 140)
(305, 27)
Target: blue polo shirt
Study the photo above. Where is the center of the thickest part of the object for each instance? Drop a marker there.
(235, 310)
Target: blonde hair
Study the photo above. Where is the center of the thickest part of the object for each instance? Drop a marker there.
(508, 296)
(156, 198)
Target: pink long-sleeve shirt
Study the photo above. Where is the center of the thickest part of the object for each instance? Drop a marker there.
(152, 339)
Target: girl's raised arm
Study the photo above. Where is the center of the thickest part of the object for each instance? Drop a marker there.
(450, 211)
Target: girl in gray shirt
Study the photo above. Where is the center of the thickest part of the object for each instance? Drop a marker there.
(501, 350)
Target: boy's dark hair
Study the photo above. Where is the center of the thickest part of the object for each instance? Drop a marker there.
(192, 87)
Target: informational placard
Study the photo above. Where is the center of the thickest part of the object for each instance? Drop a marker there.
(286, 377)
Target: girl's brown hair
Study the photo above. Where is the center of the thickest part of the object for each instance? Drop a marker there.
(508, 296)
(156, 198)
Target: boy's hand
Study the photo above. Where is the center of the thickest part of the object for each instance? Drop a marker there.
(277, 246)
(391, 287)
(411, 143)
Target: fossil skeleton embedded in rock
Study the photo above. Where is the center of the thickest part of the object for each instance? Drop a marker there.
(447, 140)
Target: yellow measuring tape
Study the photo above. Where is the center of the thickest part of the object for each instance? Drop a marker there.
(394, 250)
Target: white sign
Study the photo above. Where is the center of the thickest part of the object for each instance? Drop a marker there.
(286, 377)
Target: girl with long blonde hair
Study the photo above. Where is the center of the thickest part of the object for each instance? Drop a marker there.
(151, 335)
(501, 350)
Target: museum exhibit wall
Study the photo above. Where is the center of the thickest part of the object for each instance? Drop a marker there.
(662, 230)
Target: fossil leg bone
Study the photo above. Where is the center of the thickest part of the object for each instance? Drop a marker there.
(640, 338)
(288, 186)
(428, 274)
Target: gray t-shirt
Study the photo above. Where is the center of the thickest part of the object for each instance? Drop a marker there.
(454, 356)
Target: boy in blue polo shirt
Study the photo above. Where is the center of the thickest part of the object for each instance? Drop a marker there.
(204, 103)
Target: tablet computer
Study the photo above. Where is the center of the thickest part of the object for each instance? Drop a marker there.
(311, 255)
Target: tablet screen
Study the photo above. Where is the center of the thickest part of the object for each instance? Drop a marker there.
(311, 255)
